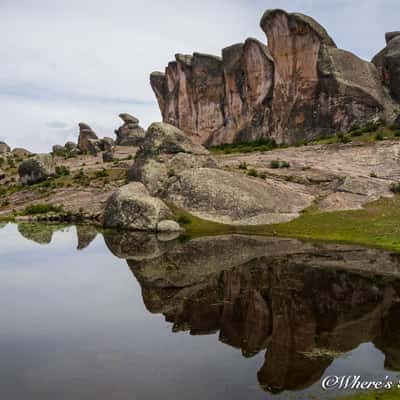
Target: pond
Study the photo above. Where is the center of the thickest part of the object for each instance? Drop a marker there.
(89, 315)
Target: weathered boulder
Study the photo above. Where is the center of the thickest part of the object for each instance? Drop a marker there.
(232, 198)
(165, 151)
(132, 207)
(21, 153)
(58, 150)
(108, 156)
(85, 135)
(4, 148)
(130, 133)
(71, 146)
(36, 169)
(107, 144)
(300, 87)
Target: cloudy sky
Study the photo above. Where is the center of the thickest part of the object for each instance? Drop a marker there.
(65, 61)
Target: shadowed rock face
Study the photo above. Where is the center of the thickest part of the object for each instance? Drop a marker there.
(301, 302)
(300, 87)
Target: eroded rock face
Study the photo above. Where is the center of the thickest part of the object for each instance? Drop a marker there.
(300, 87)
(130, 133)
(85, 135)
(36, 169)
(132, 207)
(388, 63)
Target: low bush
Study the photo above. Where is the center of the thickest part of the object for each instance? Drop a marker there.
(252, 172)
(395, 187)
(35, 209)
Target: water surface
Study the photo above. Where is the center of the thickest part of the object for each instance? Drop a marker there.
(131, 316)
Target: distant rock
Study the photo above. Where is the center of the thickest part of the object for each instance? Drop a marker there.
(94, 146)
(36, 169)
(107, 144)
(132, 207)
(58, 149)
(4, 148)
(21, 153)
(165, 151)
(85, 134)
(71, 146)
(130, 133)
(107, 156)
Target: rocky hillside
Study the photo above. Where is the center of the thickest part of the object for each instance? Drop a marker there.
(298, 86)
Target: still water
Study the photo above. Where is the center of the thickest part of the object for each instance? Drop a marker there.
(85, 315)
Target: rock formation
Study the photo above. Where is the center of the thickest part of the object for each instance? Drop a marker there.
(4, 148)
(300, 86)
(132, 207)
(21, 153)
(166, 151)
(87, 138)
(387, 62)
(130, 133)
(36, 169)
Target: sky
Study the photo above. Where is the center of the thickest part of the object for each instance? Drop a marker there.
(67, 61)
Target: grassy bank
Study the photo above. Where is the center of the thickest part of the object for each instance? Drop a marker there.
(378, 225)
(393, 394)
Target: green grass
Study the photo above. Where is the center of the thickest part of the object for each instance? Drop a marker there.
(35, 209)
(392, 394)
(244, 147)
(376, 226)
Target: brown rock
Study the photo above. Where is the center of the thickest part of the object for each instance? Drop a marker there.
(4, 148)
(85, 134)
(130, 133)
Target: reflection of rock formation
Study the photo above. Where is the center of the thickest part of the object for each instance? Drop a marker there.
(39, 233)
(86, 234)
(301, 302)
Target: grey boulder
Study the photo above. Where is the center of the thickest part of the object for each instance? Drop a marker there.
(36, 169)
(132, 207)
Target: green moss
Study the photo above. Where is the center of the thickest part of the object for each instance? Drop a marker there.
(377, 225)
(35, 209)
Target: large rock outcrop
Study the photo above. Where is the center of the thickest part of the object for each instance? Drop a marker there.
(130, 133)
(299, 87)
(164, 153)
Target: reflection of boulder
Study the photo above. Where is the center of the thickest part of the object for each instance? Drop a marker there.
(39, 233)
(135, 246)
(86, 234)
(304, 303)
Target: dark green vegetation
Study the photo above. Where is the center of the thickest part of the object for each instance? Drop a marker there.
(370, 132)
(377, 225)
(40, 208)
(245, 147)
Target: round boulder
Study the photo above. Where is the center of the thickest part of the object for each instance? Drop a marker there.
(168, 225)
(4, 148)
(36, 169)
(132, 207)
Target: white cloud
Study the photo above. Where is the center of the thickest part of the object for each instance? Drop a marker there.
(88, 60)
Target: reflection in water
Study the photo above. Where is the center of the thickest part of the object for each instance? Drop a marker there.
(301, 304)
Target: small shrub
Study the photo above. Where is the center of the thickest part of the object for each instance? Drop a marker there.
(252, 172)
(397, 133)
(379, 136)
(373, 175)
(184, 220)
(262, 175)
(243, 165)
(35, 209)
(62, 170)
(354, 127)
(395, 187)
(355, 133)
(284, 164)
(274, 164)
(171, 173)
(102, 174)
